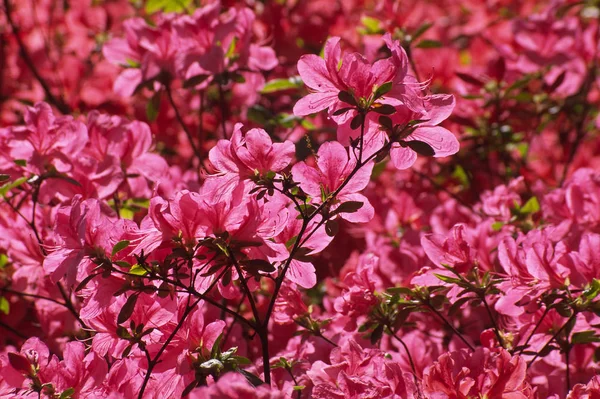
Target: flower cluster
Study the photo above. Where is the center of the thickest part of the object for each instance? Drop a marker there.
(306, 199)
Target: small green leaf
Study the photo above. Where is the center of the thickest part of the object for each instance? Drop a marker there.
(384, 109)
(383, 90)
(357, 121)
(194, 81)
(399, 290)
(585, 337)
(342, 111)
(232, 47)
(497, 226)
(348, 207)
(121, 245)
(531, 206)
(4, 178)
(347, 98)
(153, 107)
(277, 85)
(20, 162)
(420, 147)
(386, 122)
(67, 393)
(153, 6)
(298, 387)
(448, 279)
(9, 186)
(429, 44)
(137, 270)
(252, 379)
(4, 305)
(258, 265)
(372, 25)
(421, 30)
(377, 334)
(332, 227)
(127, 309)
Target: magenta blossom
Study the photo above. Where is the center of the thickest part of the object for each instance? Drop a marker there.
(333, 168)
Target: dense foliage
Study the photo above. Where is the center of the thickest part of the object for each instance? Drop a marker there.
(299, 199)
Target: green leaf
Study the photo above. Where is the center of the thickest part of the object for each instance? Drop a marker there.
(4, 305)
(20, 162)
(386, 122)
(384, 109)
(298, 387)
(258, 265)
(127, 309)
(276, 85)
(497, 226)
(215, 351)
(429, 44)
(348, 207)
(383, 90)
(126, 213)
(137, 270)
(231, 49)
(4, 178)
(153, 6)
(252, 379)
(531, 206)
(342, 111)
(347, 98)
(399, 290)
(585, 337)
(121, 245)
(420, 147)
(332, 227)
(421, 30)
(153, 106)
(84, 282)
(357, 121)
(67, 393)
(377, 334)
(371, 25)
(9, 186)
(447, 279)
(194, 81)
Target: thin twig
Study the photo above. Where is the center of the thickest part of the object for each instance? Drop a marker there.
(181, 122)
(57, 102)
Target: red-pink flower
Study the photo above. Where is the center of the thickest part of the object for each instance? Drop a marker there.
(334, 166)
(492, 374)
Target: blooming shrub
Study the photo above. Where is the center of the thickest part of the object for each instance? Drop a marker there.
(299, 199)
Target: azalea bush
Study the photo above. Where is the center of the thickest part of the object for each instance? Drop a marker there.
(299, 199)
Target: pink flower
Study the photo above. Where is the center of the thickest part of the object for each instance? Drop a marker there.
(483, 373)
(46, 141)
(327, 79)
(334, 166)
(248, 155)
(356, 373)
(591, 390)
(234, 386)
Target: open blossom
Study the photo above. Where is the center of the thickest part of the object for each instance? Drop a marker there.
(461, 374)
(47, 141)
(334, 166)
(327, 79)
(78, 372)
(355, 372)
(248, 155)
